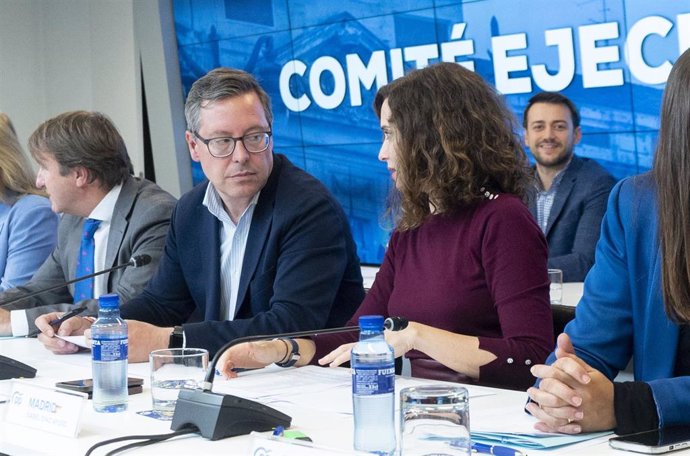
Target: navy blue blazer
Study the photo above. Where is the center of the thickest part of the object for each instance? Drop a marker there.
(300, 268)
(572, 230)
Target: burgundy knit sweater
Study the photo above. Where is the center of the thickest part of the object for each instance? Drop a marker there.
(480, 272)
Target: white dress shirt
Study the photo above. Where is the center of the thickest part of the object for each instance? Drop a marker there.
(233, 243)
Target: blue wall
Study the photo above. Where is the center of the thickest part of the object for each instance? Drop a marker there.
(321, 61)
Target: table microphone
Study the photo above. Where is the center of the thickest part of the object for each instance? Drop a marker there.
(136, 262)
(218, 416)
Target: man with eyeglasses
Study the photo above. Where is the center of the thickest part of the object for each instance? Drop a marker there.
(260, 248)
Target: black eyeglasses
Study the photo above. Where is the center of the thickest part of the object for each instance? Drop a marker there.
(255, 143)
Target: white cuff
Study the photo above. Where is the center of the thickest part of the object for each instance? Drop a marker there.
(19, 322)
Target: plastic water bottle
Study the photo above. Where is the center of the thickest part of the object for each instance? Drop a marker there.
(109, 355)
(373, 388)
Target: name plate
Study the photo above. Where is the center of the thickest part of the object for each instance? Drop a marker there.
(264, 445)
(48, 409)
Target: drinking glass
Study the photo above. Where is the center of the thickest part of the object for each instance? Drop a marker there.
(435, 420)
(173, 369)
(556, 287)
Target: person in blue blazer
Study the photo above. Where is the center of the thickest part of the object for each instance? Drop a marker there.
(636, 301)
(28, 228)
(569, 195)
(260, 248)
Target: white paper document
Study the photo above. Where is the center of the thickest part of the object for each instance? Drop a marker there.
(313, 387)
(76, 340)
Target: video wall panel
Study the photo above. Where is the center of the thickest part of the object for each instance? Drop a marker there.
(322, 62)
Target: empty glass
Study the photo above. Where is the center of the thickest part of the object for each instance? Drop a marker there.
(173, 369)
(556, 287)
(435, 420)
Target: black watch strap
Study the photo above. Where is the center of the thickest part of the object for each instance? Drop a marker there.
(176, 337)
(293, 356)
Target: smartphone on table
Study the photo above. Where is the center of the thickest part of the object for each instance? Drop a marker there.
(654, 442)
(85, 385)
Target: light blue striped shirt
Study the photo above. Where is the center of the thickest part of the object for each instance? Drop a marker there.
(233, 242)
(545, 198)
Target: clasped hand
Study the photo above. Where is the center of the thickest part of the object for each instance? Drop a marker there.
(572, 397)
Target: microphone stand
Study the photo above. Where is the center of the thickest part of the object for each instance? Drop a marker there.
(218, 416)
(10, 368)
(137, 261)
(210, 374)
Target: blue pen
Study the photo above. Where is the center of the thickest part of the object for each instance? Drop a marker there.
(496, 450)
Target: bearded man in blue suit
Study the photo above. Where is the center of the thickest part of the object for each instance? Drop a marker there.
(569, 195)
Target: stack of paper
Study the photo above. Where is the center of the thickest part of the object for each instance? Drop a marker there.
(537, 441)
(517, 429)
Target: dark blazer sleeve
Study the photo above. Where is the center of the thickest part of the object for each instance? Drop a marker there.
(588, 203)
(166, 300)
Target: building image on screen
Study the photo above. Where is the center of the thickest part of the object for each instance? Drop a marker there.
(321, 62)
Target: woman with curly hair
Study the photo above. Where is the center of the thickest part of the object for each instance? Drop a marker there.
(28, 228)
(466, 264)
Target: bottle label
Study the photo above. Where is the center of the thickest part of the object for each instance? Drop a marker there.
(109, 349)
(370, 380)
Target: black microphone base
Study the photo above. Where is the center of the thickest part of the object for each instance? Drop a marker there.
(221, 415)
(11, 368)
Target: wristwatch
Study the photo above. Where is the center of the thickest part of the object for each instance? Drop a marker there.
(176, 337)
(293, 356)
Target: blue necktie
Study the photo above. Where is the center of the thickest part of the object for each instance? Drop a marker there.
(84, 289)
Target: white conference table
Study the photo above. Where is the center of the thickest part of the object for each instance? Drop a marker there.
(572, 292)
(324, 426)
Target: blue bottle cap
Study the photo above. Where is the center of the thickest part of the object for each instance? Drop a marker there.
(371, 322)
(109, 301)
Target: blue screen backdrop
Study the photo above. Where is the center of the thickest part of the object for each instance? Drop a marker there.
(321, 62)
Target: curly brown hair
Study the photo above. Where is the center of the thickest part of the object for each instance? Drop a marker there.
(455, 136)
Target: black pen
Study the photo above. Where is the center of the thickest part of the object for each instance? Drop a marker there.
(58, 321)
